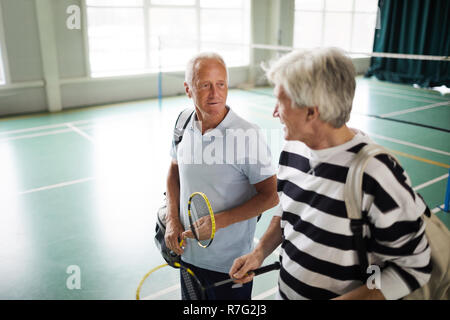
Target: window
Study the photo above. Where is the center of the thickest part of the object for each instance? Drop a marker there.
(348, 24)
(2, 52)
(136, 36)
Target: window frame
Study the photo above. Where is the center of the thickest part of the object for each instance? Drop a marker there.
(4, 65)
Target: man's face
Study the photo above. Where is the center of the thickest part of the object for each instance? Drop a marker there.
(209, 88)
(294, 119)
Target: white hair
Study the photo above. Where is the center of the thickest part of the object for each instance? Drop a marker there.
(322, 77)
(192, 64)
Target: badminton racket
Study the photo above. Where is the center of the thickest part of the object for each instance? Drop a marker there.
(201, 218)
(152, 288)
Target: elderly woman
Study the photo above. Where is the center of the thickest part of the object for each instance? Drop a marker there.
(314, 91)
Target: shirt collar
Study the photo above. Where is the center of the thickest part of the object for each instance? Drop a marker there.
(225, 123)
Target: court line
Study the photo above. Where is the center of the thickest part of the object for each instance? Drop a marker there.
(406, 143)
(437, 209)
(162, 292)
(266, 294)
(50, 126)
(410, 144)
(177, 286)
(400, 96)
(34, 135)
(58, 185)
(396, 113)
(371, 90)
(407, 122)
(405, 95)
(405, 90)
(428, 183)
(80, 132)
(407, 155)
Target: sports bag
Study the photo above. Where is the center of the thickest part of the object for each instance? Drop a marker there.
(160, 229)
(437, 233)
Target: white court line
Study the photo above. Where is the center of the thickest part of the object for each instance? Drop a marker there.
(407, 93)
(437, 209)
(434, 105)
(52, 126)
(40, 134)
(34, 135)
(80, 132)
(266, 294)
(400, 96)
(428, 183)
(58, 185)
(162, 292)
(410, 144)
(177, 286)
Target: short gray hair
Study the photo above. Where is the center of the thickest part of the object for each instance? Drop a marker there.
(322, 77)
(192, 64)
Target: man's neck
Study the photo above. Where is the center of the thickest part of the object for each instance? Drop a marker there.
(210, 121)
(329, 137)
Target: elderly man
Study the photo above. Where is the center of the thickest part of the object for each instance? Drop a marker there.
(314, 91)
(238, 190)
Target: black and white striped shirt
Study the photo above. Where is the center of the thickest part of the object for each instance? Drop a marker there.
(319, 259)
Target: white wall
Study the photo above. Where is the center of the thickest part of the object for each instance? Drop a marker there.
(30, 23)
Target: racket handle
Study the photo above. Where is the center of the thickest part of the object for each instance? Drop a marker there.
(270, 267)
(173, 254)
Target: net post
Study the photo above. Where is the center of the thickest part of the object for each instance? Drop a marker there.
(159, 74)
(447, 194)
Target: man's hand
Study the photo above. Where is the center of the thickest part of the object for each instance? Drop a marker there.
(174, 232)
(242, 265)
(202, 227)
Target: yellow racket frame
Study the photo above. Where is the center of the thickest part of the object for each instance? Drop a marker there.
(211, 215)
(175, 264)
(138, 290)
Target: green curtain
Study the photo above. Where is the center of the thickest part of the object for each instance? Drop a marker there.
(413, 27)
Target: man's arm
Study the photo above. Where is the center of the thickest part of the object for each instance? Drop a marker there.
(174, 229)
(265, 198)
(271, 239)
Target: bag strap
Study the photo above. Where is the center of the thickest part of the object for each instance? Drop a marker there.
(183, 118)
(353, 200)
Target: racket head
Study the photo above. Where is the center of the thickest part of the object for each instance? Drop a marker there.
(198, 207)
(163, 283)
(193, 288)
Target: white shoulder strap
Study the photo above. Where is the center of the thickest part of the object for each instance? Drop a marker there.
(353, 184)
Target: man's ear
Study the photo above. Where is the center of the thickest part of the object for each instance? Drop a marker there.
(187, 90)
(313, 113)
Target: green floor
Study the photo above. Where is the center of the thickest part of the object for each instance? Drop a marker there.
(81, 187)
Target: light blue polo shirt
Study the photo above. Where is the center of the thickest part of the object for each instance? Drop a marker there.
(224, 163)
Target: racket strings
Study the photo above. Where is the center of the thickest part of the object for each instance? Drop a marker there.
(190, 285)
(194, 288)
(199, 209)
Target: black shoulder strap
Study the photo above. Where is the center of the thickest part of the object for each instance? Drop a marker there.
(184, 117)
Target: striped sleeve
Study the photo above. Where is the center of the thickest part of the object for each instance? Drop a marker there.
(397, 229)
